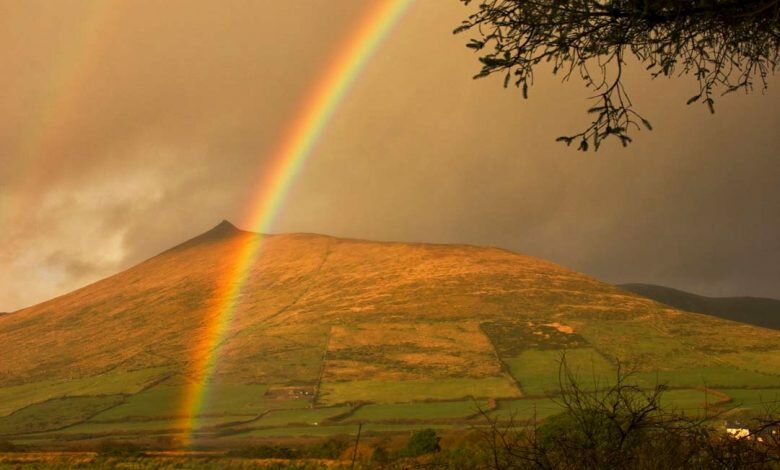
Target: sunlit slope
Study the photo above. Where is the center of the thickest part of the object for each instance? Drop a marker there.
(325, 325)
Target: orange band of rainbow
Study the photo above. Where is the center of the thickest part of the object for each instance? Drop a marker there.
(290, 155)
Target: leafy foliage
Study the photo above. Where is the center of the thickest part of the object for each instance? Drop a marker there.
(422, 442)
(723, 44)
(7, 446)
(331, 448)
(115, 448)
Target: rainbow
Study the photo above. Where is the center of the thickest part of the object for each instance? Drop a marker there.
(68, 73)
(290, 154)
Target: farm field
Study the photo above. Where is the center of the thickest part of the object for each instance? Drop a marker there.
(537, 371)
(414, 390)
(82, 417)
(112, 383)
(753, 398)
(420, 411)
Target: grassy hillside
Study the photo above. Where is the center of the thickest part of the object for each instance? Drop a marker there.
(330, 331)
(753, 310)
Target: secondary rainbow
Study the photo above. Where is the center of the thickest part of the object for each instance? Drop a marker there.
(290, 155)
(66, 92)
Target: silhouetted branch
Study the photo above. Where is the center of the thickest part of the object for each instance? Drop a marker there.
(724, 44)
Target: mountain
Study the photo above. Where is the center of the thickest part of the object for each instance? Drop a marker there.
(753, 310)
(330, 331)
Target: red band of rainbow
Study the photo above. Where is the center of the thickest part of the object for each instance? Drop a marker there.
(290, 155)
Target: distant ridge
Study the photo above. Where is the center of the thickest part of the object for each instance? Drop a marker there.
(752, 310)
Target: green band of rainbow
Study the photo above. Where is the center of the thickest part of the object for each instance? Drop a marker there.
(290, 155)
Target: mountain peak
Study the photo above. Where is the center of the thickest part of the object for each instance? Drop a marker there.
(222, 230)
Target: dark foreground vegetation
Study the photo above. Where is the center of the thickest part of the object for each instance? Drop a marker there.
(617, 425)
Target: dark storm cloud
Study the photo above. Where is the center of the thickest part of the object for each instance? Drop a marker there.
(165, 131)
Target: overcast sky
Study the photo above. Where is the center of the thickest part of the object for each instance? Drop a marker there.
(128, 127)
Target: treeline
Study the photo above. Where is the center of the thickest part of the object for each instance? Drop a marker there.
(421, 443)
(332, 449)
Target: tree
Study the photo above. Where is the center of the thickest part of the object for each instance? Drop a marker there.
(725, 45)
(619, 424)
(422, 442)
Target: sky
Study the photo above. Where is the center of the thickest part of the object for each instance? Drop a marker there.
(129, 127)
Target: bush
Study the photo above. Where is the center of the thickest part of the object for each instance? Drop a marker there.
(7, 446)
(421, 443)
(113, 448)
(332, 448)
(265, 452)
(380, 455)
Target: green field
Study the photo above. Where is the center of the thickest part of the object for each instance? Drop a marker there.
(712, 376)
(755, 399)
(164, 400)
(308, 416)
(112, 383)
(526, 409)
(419, 411)
(761, 361)
(131, 427)
(252, 410)
(348, 430)
(56, 413)
(415, 390)
(690, 401)
(249, 410)
(537, 370)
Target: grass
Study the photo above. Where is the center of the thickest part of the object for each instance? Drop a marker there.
(418, 411)
(130, 427)
(415, 390)
(165, 400)
(711, 376)
(341, 429)
(690, 401)
(763, 362)
(537, 370)
(159, 401)
(237, 399)
(640, 343)
(537, 373)
(303, 416)
(119, 428)
(112, 383)
(512, 338)
(56, 413)
(526, 409)
(755, 399)
(409, 351)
